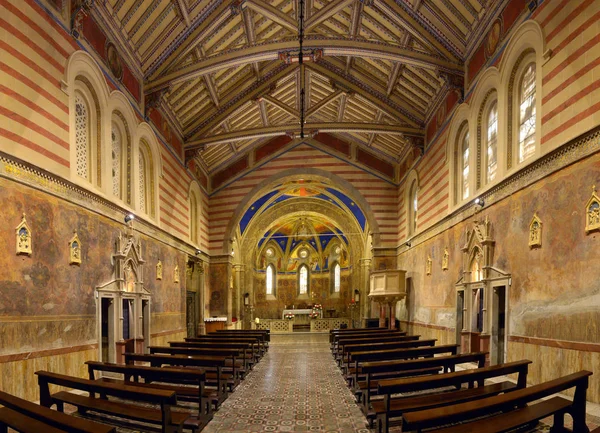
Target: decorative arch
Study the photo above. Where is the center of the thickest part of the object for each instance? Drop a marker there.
(527, 45)
(195, 211)
(146, 150)
(459, 122)
(411, 202)
(310, 173)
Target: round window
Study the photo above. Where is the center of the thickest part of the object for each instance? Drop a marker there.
(270, 252)
(303, 254)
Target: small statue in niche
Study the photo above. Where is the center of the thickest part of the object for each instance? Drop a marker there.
(176, 274)
(592, 212)
(75, 250)
(23, 238)
(159, 270)
(535, 232)
(445, 259)
(428, 265)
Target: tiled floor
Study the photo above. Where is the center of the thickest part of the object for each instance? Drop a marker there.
(296, 387)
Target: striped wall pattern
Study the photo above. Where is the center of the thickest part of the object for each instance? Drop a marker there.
(571, 87)
(34, 111)
(379, 194)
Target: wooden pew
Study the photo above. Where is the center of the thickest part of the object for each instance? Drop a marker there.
(370, 335)
(236, 364)
(250, 349)
(230, 338)
(266, 332)
(376, 346)
(343, 343)
(169, 378)
(380, 370)
(506, 403)
(333, 332)
(170, 422)
(27, 417)
(395, 354)
(215, 362)
(264, 338)
(403, 406)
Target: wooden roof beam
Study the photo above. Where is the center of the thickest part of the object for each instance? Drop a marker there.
(325, 13)
(339, 127)
(205, 123)
(277, 103)
(324, 102)
(330, 47)
(273, 14)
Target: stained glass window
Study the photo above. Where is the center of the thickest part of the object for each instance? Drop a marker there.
(82, 137)
(142, 184)
(527, 114)
(270, 283)
(116, 160)
(492, 143)
(465, 166)
(303, 280)
(336, 278)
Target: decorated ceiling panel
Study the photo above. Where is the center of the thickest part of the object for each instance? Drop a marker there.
(228, 70)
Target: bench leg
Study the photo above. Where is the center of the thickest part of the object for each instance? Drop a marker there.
(558, 426)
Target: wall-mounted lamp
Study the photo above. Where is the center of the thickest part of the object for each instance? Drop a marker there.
(232, 253)
(198, 252)
(356, 296)
(408, 244)
(129, 217)
(247, 299)
(479, 202)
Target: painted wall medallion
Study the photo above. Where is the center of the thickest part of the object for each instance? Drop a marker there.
(114, 61)
(493, 38)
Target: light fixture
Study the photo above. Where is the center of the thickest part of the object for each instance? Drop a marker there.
(479, 202)
(247, 299)
(408, 244)
(198, 252)
(356, 296)
(129, 217)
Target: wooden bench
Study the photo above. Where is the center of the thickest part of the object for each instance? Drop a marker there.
(251, 349)
(504, 405)
(230, 338)
(236, 364)
(354, 348)
(265, 332)
(395, 354)
(399, 406)
(170, 422)
(381, 370)
(217, 363)
(167, 377)
(27, 417)
(344, 343)
(264, 338)
(371, 336)
(333, 332)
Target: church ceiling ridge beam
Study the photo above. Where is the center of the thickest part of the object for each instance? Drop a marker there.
(378, 99)
(277, 103)
(330, 46)
(324, 102)
(294, 128)
(273, 14)
(261, 87)
(325, 13)
(408, 18)
(207, 20)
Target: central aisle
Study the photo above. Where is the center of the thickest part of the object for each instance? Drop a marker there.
(295, 387)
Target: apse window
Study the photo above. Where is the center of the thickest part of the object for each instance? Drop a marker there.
(336, 278)
(527, 114)
(270, 280)
(303, 280)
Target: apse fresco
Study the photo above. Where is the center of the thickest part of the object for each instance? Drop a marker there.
(302, 190)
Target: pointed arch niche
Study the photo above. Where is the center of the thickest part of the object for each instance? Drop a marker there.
(482, 297)
(123, 304)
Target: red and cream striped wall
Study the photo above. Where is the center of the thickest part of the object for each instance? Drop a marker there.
(34, 111)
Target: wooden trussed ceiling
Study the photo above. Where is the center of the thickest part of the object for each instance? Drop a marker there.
(217, 66)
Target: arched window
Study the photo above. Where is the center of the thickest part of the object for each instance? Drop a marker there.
(194, 218)
(527, 115)
(117, 151)
(303, 275)
(413, 207)
(145, 180)
(336, 277)
(82, 137)
(464, 165)
(492, 143)
(270, 279)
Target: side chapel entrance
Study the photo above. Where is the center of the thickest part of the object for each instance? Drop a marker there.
(482, 297)
(123, 304)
